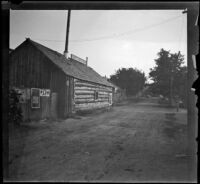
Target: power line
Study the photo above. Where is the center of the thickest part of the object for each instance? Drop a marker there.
(50, 40)
(128, 32)
(115, 35)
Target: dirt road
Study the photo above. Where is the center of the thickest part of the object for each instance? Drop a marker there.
(131, 142)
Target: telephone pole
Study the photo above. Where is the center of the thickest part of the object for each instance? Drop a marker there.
(66, 52)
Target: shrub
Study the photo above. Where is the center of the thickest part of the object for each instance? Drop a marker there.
(15, 112)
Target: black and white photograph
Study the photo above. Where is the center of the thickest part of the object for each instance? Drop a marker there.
(101, 94)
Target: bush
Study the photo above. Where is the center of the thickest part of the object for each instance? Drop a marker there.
(15, 112)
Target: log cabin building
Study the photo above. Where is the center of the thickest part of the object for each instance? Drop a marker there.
(52, 86)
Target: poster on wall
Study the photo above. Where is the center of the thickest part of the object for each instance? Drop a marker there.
(35, 98)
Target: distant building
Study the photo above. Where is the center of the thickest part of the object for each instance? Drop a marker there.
(53, 86)
(118, 93)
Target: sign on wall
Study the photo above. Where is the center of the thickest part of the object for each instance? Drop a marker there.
(45, 92)
(35, 98)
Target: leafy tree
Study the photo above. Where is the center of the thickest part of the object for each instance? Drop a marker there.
(169, 77)
(180, 84)
(132, 80)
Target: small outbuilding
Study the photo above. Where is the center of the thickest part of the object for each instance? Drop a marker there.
(53, 86)
(119, 94)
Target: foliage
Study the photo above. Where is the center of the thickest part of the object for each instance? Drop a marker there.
(15, 112)
(169, 76)
(132, 80)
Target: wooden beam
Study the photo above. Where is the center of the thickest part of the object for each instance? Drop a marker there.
(5, 90)
(101, 5)
(192, 110)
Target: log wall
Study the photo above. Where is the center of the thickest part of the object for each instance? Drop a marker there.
(84, 95)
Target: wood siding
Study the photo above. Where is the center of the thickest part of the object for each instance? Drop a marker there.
(84, 95)
(29, 68)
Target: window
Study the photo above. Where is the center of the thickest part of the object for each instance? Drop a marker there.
(96, 95)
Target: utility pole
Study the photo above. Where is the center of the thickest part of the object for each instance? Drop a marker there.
(66, 52)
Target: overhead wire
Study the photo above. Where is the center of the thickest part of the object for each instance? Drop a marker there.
(128, 32)
(115, 35)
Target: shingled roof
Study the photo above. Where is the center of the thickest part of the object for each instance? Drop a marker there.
(71, 67)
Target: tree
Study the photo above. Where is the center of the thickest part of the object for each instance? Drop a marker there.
(132, 80)
(180, 84)
(168, 75)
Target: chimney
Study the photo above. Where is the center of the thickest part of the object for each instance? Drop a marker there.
(66, 52)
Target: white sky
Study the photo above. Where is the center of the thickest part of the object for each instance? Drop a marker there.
(111, 39)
